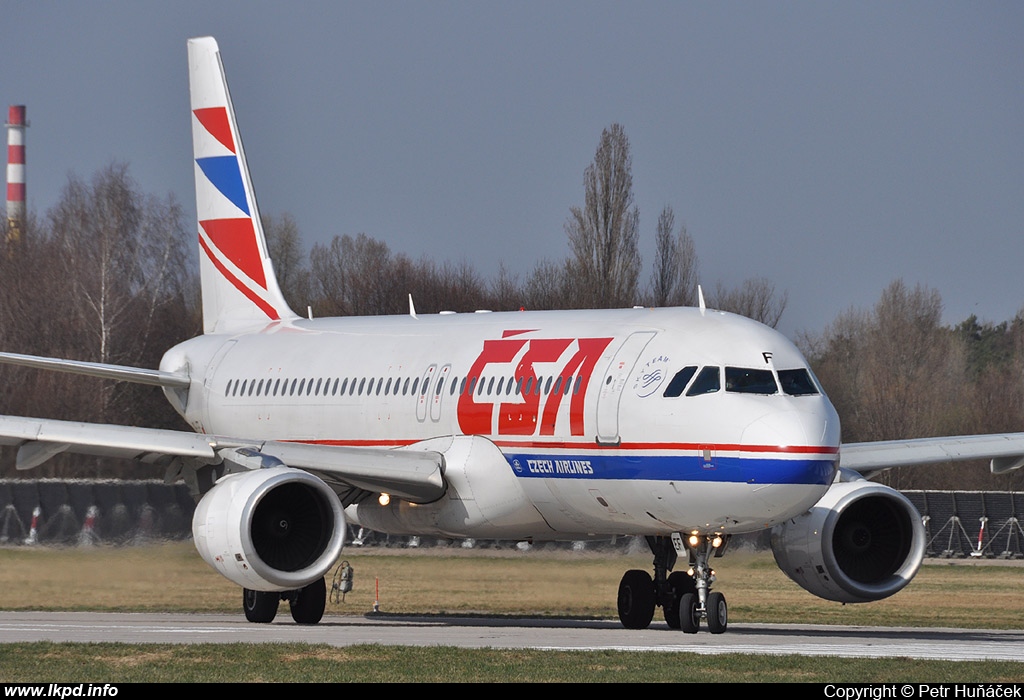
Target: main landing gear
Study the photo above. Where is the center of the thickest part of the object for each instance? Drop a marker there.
(685, 597)
(307, 603)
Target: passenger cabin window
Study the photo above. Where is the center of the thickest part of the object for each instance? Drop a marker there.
(707, 382)
(679, 382)
(797, 382)
(741, 380)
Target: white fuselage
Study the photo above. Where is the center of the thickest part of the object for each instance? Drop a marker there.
(575, 402)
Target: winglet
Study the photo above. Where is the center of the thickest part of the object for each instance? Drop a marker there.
(238, 282)
(700, 298)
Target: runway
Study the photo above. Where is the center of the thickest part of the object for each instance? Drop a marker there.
(477, 632)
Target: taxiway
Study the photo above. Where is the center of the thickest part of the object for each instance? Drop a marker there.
(533, 633)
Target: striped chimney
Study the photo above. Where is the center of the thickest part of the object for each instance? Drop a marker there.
(16, 125)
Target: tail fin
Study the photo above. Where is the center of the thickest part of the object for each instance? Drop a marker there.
(238, 282)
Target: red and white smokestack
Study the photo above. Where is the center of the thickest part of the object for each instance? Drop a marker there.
(16, 125)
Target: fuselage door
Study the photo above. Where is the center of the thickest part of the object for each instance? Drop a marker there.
(437, 393)
(423, 393)
(613, 382)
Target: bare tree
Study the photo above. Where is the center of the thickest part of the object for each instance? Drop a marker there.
(284, 244)
(755, 298)
(604, 233)
(351, 276)
(110, 273)
(123, 257)
(548, 287)
(504, 292)
(360, 276)
(896, 372)
(674, 279)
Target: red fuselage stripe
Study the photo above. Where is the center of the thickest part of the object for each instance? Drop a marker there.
(644, 446)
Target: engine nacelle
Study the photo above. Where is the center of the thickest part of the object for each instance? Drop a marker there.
(861, 542)
(270, 529)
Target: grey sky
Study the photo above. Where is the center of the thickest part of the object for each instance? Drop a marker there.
(828, 147)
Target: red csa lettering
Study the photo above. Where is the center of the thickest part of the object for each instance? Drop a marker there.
(475, 418)
(521, 418)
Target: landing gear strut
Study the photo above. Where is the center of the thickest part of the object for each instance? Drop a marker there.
(685, 597)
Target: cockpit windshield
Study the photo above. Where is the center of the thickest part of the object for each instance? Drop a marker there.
(707, 382)
(797, 382)
(679, 381)
(742, 380)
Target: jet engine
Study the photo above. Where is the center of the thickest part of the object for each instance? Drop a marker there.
(861, 542)
(272, 529)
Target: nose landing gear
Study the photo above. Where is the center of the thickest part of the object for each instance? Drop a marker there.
(686, 598)
(702, 604)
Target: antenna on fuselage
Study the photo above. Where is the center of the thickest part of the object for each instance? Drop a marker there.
(700, 299)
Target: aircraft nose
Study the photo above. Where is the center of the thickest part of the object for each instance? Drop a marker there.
(793, 428)
(797, 445)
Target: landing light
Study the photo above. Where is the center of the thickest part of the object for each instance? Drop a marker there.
(694, 540)
(384, 499)
(717, 542)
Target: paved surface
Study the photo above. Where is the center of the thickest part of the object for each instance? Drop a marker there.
(812, 640)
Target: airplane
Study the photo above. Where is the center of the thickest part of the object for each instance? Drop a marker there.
(684, 426)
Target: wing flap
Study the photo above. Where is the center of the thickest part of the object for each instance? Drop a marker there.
(1005, 450)
(409, 474)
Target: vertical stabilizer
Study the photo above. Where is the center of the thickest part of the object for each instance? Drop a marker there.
(238, 282)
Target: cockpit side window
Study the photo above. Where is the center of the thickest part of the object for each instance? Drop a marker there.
(707, 382)
(679, 382)
(797, 382)
(741, 380)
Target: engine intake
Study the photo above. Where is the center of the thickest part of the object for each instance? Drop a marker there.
(861, 542)
(270, 529)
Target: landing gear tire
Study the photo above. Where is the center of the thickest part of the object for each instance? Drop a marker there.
(718, 613)
(308, 603)
(260, 606)
(689, 613)
(680, 582)
(636, 600)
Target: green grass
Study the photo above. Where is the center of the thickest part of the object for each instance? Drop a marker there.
(290, 663)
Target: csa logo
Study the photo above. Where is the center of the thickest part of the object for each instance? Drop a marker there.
(565, 365)
(651, 376)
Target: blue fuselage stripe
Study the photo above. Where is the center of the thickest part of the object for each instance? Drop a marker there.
(752, 470)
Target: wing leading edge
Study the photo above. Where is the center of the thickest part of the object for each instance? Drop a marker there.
(1004, 450)
(136, 375)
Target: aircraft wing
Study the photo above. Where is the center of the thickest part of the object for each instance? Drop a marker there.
(1004, 450)
(415, 475)
(137, 375)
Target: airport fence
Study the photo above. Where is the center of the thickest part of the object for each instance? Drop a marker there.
(958, 524)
